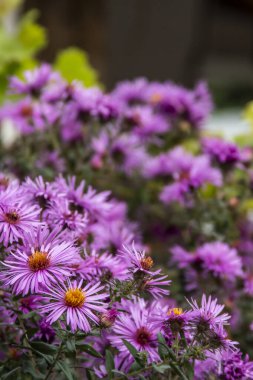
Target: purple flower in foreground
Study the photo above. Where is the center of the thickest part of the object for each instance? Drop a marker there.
(80, 303)
(136, 328)
(44, 264)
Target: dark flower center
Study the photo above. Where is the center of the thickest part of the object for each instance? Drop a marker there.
(12, 217)
(4, 182)
(143, 336)
(27, 111)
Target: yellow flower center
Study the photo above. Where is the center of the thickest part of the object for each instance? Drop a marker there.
(147, 263)
(155, 98)
(38, 261)
(175, 311)
(74, 297)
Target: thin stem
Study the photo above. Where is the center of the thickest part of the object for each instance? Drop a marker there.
(55, 361)
(27, 343)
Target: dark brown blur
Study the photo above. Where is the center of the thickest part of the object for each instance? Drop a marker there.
(180, 40)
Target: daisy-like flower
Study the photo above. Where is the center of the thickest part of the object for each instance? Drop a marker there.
(34, 80)
(80, 303)
(208, 314)
(137, 260)
(157, 286)
(136, 328)
(27, 271)
(105, 266)
(16, 218)
(218, 341)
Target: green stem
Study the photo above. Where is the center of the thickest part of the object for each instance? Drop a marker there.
(55, 361)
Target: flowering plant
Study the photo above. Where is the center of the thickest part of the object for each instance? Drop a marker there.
(77, 273)
(77, 297)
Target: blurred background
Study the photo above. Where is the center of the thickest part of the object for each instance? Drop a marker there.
(181, 40)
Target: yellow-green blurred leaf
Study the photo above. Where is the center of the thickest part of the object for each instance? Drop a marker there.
(73, 63)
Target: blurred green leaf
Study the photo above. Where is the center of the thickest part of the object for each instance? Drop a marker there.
(73, 64)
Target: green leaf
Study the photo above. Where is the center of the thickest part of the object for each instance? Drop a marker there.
(29, 315)
(70, 345)
(65, 369)
(90, 375)
(131, 348)
(189, 370)
(160, 368)
(89, 350)
(162, 351)
(31, 35)
(109, 364)
(44, 348)
(120, 373)
(73, 64)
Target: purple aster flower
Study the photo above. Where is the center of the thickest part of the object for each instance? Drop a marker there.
(104, 266)
(25, 115)
(232, 366)
(38, 190)
(157, 286)
(218, 341)
(225, 152)
(216, 258)
(29, 303)
(221, 260)
(45, 333)
(174, 193)
(35, 80)
(145, 123)
(189, 173)
(80, 303)
(131, 92)
(45, 263)
(108, 318)
(137, 260)
(51, 160)
(16, 218)
(95, 203)
(208, 314)
(136, 328)
(60, 213)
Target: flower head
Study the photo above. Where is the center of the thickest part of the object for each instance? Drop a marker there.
(79, 303)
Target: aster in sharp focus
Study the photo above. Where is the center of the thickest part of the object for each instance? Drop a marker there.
(27, 271)
(80, 304)
(136, 328)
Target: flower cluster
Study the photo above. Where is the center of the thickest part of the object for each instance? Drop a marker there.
(77, 266)
(69, 267)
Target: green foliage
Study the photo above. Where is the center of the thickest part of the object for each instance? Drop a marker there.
(73, 63)
(17, 49)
